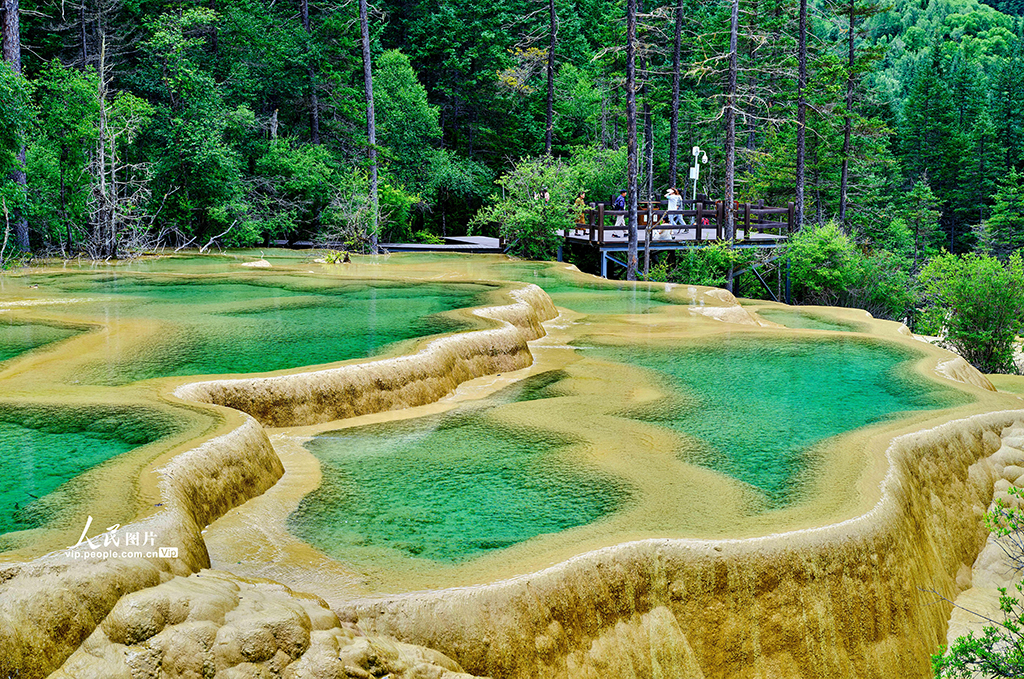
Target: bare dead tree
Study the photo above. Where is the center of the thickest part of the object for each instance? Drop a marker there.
(762, 55)
(120, 187)
(7, 234)
(855, 12)
(353, 215)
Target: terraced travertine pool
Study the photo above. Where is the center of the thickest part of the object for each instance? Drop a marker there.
(639, 415)
(18, 338)
(44, 447)
(86, 330)
(482, 478)
(649, 478)
(213, 325)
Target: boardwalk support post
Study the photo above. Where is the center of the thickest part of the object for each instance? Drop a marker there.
(789, 297)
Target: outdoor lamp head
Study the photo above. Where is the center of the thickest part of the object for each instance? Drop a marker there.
(695, 151)
(704, 159)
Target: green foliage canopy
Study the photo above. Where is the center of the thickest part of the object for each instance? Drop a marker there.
(982, 303)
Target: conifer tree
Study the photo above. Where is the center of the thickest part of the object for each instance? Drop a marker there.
(1006, 225)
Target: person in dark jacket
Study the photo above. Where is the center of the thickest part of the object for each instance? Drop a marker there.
(620, 204)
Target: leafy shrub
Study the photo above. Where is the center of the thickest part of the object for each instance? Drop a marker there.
(981, 303)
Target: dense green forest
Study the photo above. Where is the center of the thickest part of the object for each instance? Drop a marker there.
(143, 123)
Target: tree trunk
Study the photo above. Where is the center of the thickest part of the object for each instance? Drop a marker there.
(631, 149)
(82, 34)
(604, 122)
(753, 58)
(648, 144)
(647, 244)
(673, 149)
(371, 127)
(63, 203)
(11, 37)
(645, 92)
(848, 121)
(314, 110)
(981, 180)
(314, 101)
(801, 112)
(730, 133)
(551, 80)
(104, 229)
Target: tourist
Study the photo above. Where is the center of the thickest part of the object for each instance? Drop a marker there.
(675, 203)
(620, 204)
(579, 205)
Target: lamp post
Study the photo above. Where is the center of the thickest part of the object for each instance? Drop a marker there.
(699, 156)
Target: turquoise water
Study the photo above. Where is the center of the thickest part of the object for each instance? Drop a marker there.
(448, 488)
(807, 321)
(42, 448)
(755, 407)
(221, 327)
(17, 338)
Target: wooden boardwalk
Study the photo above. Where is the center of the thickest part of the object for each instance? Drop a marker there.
(701, 223)
(475, 244)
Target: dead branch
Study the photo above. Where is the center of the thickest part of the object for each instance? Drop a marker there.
(219, 235)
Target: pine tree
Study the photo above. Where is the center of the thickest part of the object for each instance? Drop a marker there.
(922, 217)
(1006, 225)
(1008, 107)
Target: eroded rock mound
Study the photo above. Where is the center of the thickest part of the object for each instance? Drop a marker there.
(214, 624)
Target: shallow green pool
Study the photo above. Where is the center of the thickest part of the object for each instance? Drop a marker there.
(218, 326)
(753, 408)
(17, 338)
(611, 297)
(807, 321)
(448, 488)
(42, 448)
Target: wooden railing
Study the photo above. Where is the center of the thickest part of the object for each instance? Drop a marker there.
(750, 219)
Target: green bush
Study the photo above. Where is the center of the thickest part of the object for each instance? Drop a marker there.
(829, 268)
(707, 266)
(981, 304)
